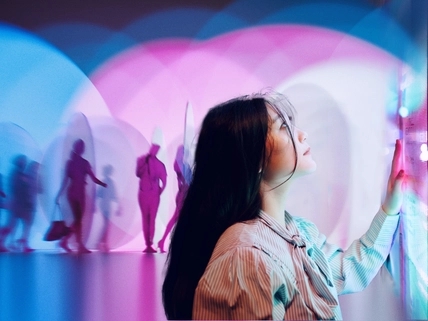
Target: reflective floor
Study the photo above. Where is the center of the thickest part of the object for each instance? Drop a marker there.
(126, 286)
(97, 286)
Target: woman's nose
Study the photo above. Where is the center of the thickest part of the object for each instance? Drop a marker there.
(302, 135)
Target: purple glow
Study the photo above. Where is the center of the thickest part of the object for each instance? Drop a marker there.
(166, 74)
(150, 85)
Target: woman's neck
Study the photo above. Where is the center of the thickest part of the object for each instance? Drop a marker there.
(274, 200)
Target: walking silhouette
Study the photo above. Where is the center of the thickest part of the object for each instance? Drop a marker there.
(77, 168)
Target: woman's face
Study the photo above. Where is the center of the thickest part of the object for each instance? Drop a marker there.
(281, 152)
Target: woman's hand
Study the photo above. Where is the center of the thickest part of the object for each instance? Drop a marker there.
(394, 192)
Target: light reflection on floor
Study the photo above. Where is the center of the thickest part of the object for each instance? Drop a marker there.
(51, 286)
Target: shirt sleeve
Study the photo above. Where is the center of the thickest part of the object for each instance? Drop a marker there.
(353, 269)
(239, 285)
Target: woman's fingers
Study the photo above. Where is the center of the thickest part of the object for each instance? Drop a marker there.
(394, 193)
(396, 160)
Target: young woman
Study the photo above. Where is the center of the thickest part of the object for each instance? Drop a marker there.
(76, 170)
(235, 252)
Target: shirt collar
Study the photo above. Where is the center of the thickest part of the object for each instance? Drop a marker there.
(289, 232)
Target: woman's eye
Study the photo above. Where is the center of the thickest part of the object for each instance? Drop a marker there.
(284, 125)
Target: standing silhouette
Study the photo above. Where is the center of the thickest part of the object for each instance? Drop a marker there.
(106, 195)
(179, 168)
(76, 170)
(151, 172)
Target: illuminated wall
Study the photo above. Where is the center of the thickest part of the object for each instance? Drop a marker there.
(122, 76)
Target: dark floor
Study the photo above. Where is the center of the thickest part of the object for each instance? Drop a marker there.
(51, 286)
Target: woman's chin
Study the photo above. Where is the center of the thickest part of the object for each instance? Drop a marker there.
(313, 168)
(309, 169)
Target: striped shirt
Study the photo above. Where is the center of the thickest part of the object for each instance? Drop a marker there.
(260, 269)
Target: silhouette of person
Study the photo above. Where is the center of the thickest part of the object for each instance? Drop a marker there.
(2, 229)
(151, 172)
(106, 195)
(19, 204)
(76, 170)
(31, 189)
(179, 168)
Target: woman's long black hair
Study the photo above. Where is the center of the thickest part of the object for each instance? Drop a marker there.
(229, 162)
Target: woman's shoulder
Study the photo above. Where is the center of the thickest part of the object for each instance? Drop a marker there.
(229, 255)
(239, 235)
(241, 232)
